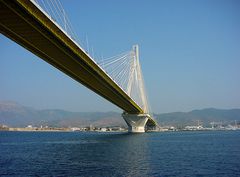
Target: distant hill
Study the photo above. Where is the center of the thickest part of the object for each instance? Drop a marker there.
(204, 116)
(16, 115)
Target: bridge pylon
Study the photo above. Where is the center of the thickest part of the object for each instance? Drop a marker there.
(136, 122)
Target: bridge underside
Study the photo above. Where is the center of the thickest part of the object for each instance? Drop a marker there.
(25, 24)
(28, 26)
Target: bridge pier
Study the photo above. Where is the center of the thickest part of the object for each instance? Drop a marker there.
(136, 122)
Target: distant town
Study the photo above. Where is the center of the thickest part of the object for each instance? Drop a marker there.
(63, 129)
(200, 127)
(91, 128)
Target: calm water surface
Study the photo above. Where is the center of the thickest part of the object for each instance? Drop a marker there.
(120, 154)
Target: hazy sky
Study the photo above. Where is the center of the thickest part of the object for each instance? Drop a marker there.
(189, 52)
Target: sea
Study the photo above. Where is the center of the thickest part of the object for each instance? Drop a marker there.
(186, 153)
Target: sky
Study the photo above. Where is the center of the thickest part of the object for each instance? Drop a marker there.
(189, 53)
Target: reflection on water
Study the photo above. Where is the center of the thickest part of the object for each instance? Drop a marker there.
(129, 153)
(119, 154)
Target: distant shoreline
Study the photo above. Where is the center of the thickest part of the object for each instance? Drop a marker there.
(99, 131)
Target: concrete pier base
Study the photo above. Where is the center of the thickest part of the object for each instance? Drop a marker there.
(136, 122)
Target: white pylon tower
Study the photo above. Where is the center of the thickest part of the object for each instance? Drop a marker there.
(135, 74)
(140, 80)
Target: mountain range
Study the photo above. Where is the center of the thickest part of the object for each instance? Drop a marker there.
(15, 115)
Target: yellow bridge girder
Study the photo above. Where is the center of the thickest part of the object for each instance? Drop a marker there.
(24, 23)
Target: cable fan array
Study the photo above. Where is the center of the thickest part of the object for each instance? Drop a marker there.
(125, 71)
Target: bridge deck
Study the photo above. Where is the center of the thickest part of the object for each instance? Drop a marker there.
(24, 23)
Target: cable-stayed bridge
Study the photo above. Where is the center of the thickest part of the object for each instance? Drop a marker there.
(33, 24)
